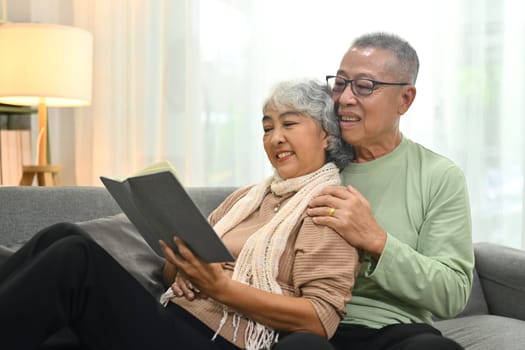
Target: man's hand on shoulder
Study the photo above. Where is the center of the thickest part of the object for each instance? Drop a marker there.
(347, 212)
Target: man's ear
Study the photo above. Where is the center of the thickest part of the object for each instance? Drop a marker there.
(407, 97)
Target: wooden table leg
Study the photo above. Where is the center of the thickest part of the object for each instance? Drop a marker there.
(47, 175)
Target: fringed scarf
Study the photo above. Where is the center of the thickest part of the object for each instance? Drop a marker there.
(258, 261)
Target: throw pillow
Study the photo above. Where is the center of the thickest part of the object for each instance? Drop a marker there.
(5, 253)
(119, 237)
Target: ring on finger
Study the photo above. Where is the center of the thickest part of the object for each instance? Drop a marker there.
(331, 212)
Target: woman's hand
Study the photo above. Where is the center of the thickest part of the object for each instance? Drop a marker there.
(182, 287)
(347, 212)
(195, 277)
(170, 270)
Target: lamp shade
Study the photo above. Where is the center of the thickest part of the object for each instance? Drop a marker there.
(45, 64)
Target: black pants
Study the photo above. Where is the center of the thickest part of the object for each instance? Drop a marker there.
(394, 337)
(62, 278)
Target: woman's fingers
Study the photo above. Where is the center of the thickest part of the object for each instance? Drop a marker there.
(183, 251)
(183, 287)
(169, 254)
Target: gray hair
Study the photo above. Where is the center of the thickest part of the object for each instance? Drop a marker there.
(314, 99)
(408, 62)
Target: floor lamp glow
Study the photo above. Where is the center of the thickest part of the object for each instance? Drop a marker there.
(45, 65)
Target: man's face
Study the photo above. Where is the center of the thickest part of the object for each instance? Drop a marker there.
(371, 123)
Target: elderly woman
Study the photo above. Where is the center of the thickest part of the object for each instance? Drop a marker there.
(289, 274)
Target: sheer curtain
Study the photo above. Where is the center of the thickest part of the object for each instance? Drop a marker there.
(135, 93)
(477, 112)
(172, 81)
(185, 80)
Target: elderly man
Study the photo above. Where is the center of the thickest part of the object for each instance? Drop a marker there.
(404, 207)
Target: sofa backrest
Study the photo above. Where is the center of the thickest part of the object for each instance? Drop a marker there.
(25, 210)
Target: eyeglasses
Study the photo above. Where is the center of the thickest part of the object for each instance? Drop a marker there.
(360, 87)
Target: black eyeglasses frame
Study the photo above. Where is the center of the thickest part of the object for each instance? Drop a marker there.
(350, 82)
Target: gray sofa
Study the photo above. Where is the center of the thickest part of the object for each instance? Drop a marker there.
(494, 317)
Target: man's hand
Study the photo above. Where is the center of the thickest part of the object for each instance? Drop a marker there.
(347, 212)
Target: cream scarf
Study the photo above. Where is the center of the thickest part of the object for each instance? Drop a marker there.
(258, 261)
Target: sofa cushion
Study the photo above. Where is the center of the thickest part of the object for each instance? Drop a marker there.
(485, 332)
(119, 237)
(5, 253)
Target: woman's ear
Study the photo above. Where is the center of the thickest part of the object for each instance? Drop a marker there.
(326, 139)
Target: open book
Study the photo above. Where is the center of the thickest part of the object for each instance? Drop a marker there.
(160, 208)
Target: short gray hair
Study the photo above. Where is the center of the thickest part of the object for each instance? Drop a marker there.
(408, 62)
(314, 99)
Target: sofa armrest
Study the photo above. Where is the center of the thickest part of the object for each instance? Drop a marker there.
(502, 275)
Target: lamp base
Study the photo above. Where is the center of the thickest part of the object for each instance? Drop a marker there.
(47, 175)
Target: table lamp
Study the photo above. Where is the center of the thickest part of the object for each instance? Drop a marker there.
(45, 65)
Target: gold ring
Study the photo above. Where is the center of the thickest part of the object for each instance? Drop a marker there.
(331, 212)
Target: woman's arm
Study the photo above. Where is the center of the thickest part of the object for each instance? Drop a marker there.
(281, 312)
(323, 288)
(277, 311)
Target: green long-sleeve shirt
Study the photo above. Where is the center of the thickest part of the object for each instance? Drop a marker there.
(420, 198)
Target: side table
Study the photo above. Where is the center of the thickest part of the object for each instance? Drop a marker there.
(47, 175)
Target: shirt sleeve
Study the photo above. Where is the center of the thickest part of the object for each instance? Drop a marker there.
(324, 272)
(436, 275)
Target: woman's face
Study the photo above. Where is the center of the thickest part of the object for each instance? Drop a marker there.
(294, 143)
